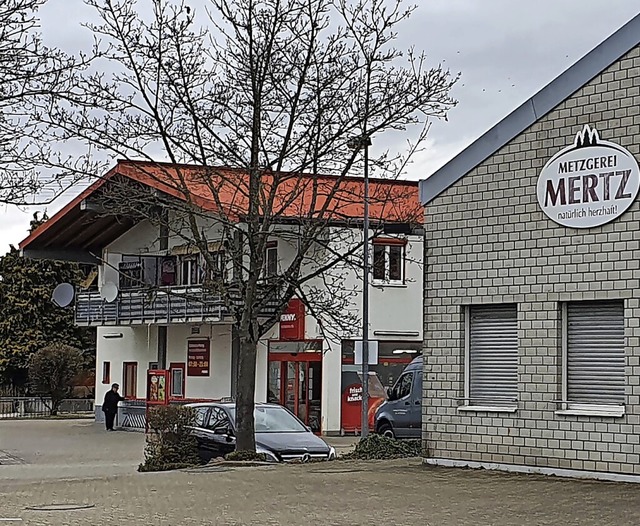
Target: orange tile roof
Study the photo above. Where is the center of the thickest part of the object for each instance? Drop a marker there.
(295, 196)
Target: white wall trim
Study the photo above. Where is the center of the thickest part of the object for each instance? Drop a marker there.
(618, 412)
(533, 470)
(487, 409)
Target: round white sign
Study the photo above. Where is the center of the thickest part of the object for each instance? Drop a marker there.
(588, 183)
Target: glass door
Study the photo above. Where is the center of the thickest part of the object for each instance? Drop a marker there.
(295, 381)
(291, 386)
(130, 377)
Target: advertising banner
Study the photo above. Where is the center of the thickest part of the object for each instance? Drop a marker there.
(157, 387)
(352, 399)
(292, 321)
(198, 357)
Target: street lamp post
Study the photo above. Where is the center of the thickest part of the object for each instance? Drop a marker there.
(364, 142)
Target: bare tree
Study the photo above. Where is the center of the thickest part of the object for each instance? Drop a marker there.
(30, 170)
(265, 99)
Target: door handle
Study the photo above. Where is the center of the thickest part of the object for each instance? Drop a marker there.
(417, 402)
(407, 402)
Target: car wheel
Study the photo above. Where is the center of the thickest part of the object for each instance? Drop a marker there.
(386, 431)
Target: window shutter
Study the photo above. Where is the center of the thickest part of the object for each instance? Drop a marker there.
(493, 354)
(595, 352)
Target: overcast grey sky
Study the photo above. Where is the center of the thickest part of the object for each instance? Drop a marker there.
(506, 50)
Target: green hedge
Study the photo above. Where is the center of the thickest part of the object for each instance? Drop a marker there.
(169, 443)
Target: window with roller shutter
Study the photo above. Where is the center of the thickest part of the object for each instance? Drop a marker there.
(594, 353)
(492, 355)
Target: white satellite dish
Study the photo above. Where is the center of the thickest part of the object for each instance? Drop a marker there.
(109, 292)
(63, 294)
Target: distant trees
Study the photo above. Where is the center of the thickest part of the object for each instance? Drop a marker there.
(52, 370)
(29, 320)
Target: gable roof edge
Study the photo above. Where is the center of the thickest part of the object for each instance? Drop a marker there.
(558, 90)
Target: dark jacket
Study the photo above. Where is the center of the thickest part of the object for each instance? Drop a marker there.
(111, 399)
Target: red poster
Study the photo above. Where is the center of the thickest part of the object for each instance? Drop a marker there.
(292, 321)
(198, 357)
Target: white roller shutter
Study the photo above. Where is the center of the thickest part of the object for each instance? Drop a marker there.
(493, 354)
(595, 352)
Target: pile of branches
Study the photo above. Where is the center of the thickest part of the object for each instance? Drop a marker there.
(245, 456)
(378, 447)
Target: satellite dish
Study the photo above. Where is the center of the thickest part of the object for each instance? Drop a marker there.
(109, 292)
(63, 294)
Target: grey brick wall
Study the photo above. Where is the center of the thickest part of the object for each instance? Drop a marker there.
(489, 242)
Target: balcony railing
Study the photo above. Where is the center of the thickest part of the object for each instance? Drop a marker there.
(177, 304)
(137, 307)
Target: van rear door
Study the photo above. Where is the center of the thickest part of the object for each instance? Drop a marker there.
(415, 408)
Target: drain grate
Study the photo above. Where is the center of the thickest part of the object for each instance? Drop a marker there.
(60, 507)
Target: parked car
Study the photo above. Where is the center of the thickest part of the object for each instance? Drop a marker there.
(280, 435)
(401, 415)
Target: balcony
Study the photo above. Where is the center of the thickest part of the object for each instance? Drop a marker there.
(166, 305)
(141, 307)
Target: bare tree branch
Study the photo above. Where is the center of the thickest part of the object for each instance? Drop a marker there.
(259, 105)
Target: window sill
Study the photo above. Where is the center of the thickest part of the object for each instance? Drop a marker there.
(391, 284)
(487, 409)
(617, 412)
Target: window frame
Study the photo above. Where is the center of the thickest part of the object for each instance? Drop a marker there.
(175, 366)
(106, 372)
(567, 407)
(468, 402)
(219, 273)
(191, 260)
(270, 269)
(145, 271)
(400, 378)
(201, 417)
(126, 388)
(387, 244)
(221, 419)
(130, 272)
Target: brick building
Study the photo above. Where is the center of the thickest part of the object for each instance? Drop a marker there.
(532, 281)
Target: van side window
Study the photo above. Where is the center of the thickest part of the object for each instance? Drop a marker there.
(404, 385)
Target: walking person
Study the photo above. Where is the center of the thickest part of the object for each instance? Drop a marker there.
(110, 406)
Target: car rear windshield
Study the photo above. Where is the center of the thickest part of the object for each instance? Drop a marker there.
(274, 420)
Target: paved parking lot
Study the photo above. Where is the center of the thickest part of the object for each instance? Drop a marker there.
(83, 465)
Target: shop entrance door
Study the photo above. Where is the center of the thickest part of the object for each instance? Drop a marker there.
(295, 382)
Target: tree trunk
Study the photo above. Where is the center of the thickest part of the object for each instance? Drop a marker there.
(245, 394)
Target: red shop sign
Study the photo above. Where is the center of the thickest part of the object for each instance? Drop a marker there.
(198, 357)
(292, 321)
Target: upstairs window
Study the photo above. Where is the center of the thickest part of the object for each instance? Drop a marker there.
(130, 271)
(217, 273)
(190, 271)
(271, 259)
(388, 260)
(140, 271)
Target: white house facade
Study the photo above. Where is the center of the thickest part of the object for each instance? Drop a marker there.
(172, 323)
